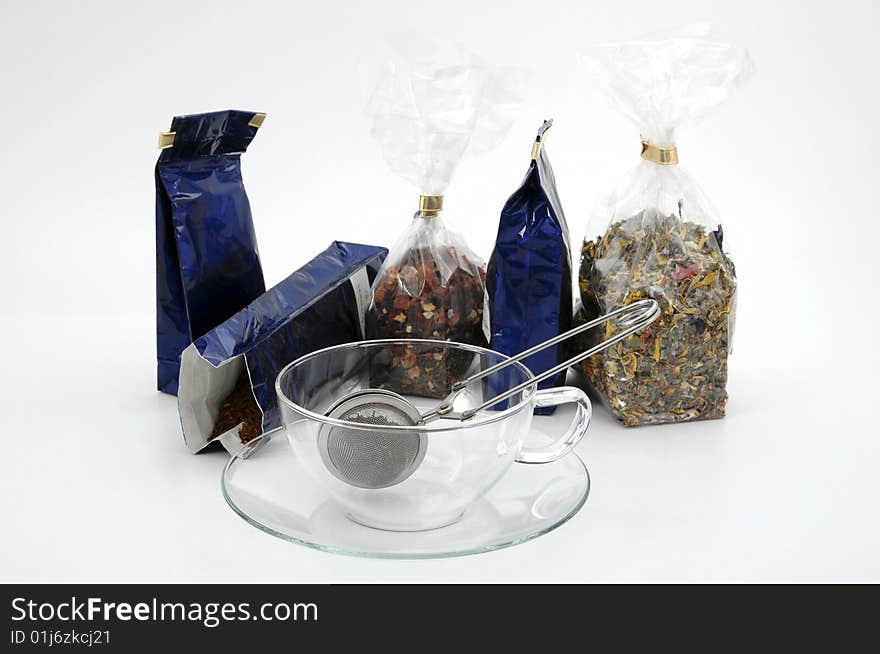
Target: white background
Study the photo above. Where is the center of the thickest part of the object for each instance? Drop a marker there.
(96, 483)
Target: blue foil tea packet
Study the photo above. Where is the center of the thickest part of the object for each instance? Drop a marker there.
(207, 265)
(228, 374)
(529, 276)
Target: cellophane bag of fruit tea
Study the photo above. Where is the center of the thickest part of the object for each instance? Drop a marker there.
(432, 105)
(657, 236)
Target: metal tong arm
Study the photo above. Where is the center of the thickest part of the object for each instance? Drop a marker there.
(636, 316)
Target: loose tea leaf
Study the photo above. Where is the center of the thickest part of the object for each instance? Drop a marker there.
(239, 407)
(676, 370)
(416, 299)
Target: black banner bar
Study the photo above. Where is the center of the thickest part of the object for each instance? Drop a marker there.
(218, 618)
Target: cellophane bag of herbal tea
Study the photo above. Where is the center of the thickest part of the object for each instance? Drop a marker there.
(657, 236)
(433, 104)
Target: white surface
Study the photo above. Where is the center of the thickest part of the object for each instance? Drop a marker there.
(98, 485)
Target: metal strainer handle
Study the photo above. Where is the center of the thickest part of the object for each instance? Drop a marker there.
(633, 317)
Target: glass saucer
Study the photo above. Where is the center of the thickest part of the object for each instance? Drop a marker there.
(271, 491)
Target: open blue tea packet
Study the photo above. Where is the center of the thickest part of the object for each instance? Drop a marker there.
(227, 376)
(528, 279)
(207, 265)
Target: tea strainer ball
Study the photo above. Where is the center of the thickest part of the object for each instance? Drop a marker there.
(369, 458)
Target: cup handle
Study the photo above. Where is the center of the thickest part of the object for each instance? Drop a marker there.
(578, 429)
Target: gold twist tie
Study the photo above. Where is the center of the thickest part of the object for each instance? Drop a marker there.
(257, 120)
(430, 205)
(536, 150)
(539, 139)
(166, 140)
(659, 155)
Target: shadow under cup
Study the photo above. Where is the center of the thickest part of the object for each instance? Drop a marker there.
(384, 469)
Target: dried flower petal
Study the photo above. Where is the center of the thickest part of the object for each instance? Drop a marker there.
(683, 272)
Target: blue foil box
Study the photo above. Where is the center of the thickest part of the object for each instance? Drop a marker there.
(529, 276)
(207, 264)
(320, 305)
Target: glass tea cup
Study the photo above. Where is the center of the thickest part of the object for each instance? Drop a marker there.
(364, 437)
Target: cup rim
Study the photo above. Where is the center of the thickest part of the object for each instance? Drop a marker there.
(438, 426)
